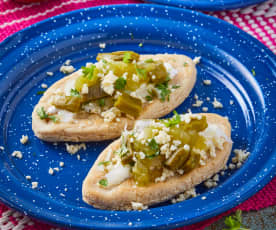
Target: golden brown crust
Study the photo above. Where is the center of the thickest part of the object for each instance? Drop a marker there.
(93, 128)
(120, 197)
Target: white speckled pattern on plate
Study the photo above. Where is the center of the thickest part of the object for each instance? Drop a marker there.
(240, 68)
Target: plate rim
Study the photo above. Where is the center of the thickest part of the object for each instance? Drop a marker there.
(234, 4)
(177, 223)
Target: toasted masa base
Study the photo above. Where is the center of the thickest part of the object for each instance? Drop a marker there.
(120, 197)
(91, 127)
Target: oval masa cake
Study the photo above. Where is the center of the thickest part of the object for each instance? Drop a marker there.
(98, 101)
(158, 160)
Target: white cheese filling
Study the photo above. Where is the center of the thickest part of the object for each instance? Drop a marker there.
(117, 174)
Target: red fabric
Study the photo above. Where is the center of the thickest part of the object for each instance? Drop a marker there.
(257, 21)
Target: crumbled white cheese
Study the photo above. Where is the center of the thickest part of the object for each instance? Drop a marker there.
(142, 155)
(107, 83)
(92, 107)
(170, 70)
(176, 142)
(135, 77)
(184, 196)
(240, 156)
(186, 118)
(165, 175)
(204, 109)
(173, 148)
(17, 154)
(51, 171)
(138, 206)
(195, 96)
(142, 91)
(117, 174)
(84, 89)
(50, 73)
(52, 110)
(67, 62)
(102, 45)
(24, 139)
(217, 104)
(210, 183)
(78, 157)
(196, 60)
(69, 85)
(2, 148)
(186, 147)
(216, 178)
(111, 114)
(61, 164)
(56, 169)
(65, 116)
(203, 198)
(34, 184)
(231, 102)
(44, 86)
(89, 64)
(28, 177)
(214, 137)
(67, 69)
(207, 82)
(198, 103)
(140, 125)
(162, 138)
(125, 75)
(208, 99)
(165, 150)
(72, 149)
(232, 166)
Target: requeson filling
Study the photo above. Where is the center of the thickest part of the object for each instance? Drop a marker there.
(158, 149)
(117, 85)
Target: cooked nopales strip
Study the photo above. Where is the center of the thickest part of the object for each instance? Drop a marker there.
(96, 102)
(158, 160)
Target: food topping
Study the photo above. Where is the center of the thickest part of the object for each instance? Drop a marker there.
(158, 149)
(118, 80)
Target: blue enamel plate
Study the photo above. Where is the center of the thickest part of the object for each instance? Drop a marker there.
(210, 5)
(242, 72)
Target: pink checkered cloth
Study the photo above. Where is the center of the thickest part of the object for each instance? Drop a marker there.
(259, 21)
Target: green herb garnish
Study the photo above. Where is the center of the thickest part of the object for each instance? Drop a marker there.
(101, 102)
(104, 163)
(175, 120)
(253, 72)
(140, 44)
(120, 83)
(103, 182)
(149, 98)
(164, 90)
(153, 144)
(131, 36)
(235, 222)
(155, 147)
(185, 64)
(44, 116)
(40, 92)
(74, 93)
(127, 57)
(176, 86)
(88, 71)
(141, 72)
